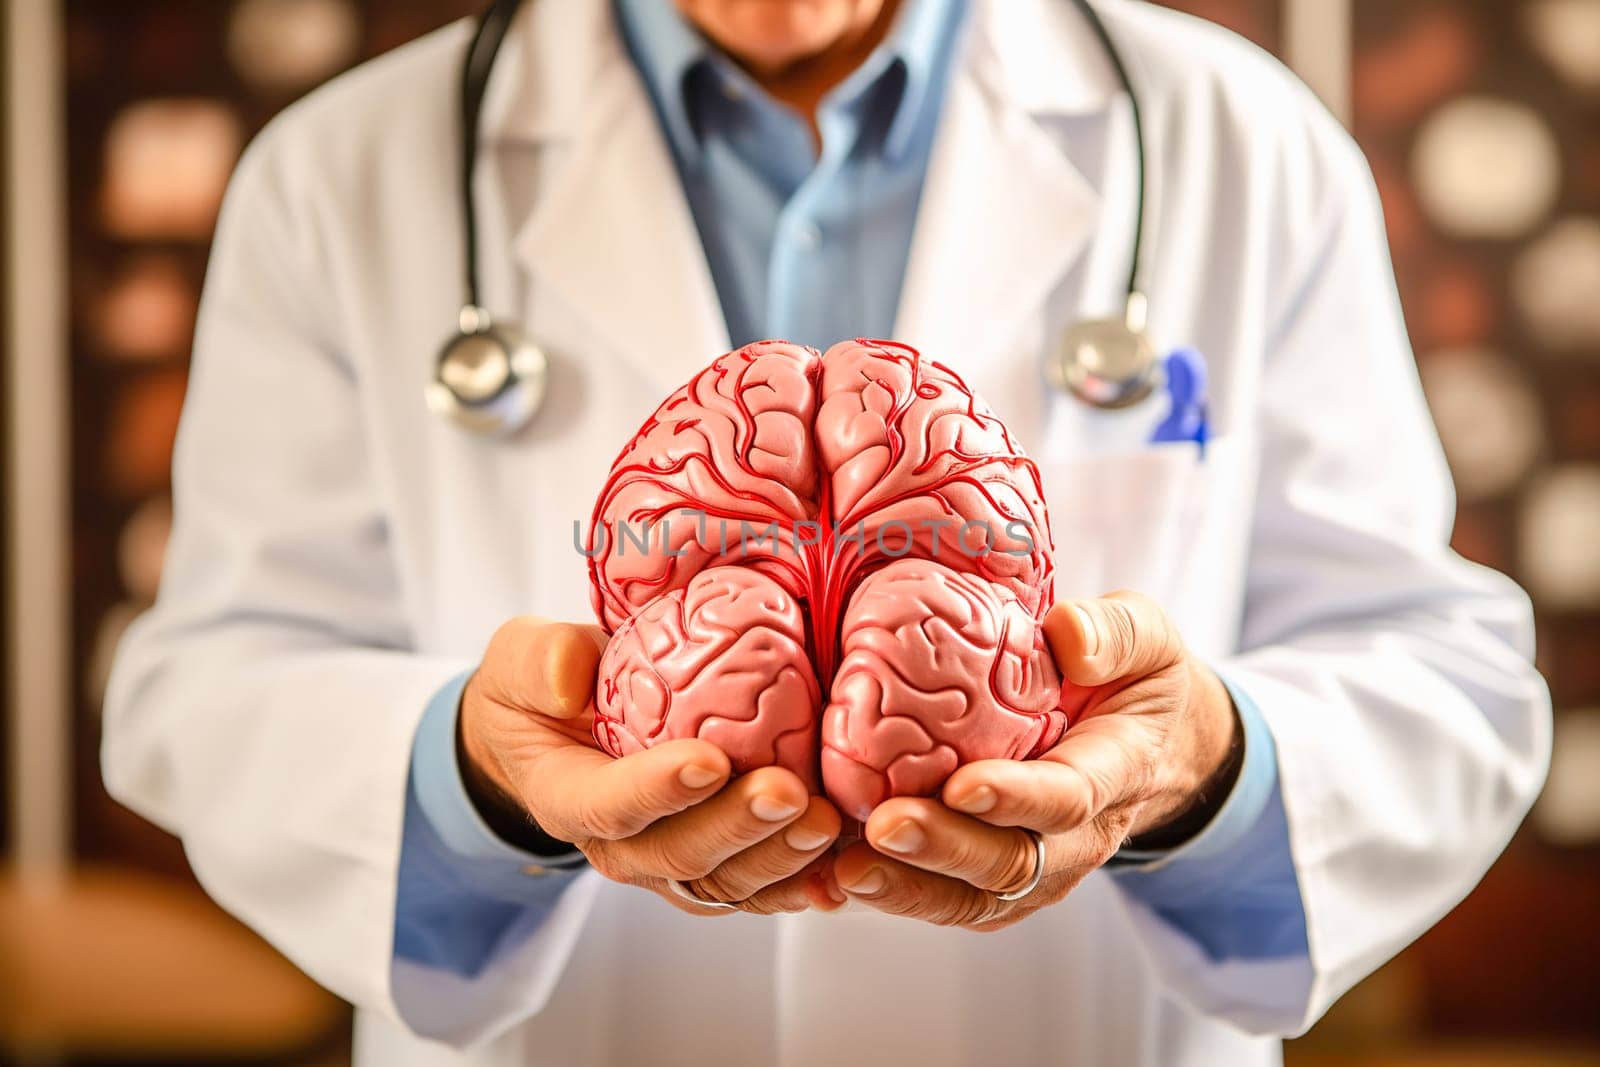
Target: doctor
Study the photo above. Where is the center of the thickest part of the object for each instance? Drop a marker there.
(1316, 726)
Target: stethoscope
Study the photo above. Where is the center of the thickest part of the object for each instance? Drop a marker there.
(491, 376)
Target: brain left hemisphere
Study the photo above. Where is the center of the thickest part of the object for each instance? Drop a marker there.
(706, 478)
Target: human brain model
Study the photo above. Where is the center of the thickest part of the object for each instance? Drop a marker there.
(855, 527)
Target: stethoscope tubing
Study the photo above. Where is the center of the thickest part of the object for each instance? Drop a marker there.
(498, 411)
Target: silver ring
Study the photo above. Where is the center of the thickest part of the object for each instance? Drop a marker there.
(684, 892)
(1038, 870)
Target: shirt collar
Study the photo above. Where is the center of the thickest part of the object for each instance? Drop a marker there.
(922, 39)
(669, 52)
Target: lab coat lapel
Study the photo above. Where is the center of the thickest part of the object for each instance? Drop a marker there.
(612, 235)
(1004, 211)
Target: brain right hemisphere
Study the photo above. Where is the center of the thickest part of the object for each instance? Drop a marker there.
(790, 524)
(938, 667)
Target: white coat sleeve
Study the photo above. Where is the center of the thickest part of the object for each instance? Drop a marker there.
(1411, 728)
(264, 710)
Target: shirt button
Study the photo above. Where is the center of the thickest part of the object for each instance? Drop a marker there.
(807, 234)
(732, 90)
(533, 870)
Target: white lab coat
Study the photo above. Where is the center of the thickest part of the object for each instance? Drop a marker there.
(339, 554)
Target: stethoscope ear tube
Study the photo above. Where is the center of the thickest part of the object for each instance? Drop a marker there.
(1114, 56)
(481, 53)
(490, 377)
(1111, 362)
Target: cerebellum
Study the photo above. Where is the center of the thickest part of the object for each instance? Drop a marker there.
(856, 523)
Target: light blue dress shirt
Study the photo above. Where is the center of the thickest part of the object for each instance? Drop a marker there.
(811, 246)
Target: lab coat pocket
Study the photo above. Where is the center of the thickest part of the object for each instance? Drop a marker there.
(1166, 520)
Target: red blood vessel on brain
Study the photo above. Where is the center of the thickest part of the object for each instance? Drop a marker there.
(854, 527)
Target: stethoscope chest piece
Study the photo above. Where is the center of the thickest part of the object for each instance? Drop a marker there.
(490, 377)
(1107, 363)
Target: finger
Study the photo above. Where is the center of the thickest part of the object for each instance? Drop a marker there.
(803, 890)
(927, 835)
(692, 844)
(893, 887)
(1100, 763)
(578, 793)
(1119, 635)
(745, 874)
(542, 666)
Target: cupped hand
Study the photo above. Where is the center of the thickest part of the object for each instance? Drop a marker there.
(1154, 749)
(664, 814)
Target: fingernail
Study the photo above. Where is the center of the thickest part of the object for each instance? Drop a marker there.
(907, 837)
(1091, 636)
(872, 881)
(836, 894)
(803, 839)
(977, 802)
(771, 809)
(694, 776)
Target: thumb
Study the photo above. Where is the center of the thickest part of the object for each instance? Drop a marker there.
(536, 665)
(1120, 635)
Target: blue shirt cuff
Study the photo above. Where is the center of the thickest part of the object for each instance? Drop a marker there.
(1232, 888)
(465, 896)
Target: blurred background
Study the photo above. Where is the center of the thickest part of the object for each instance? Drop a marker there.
(121, 124)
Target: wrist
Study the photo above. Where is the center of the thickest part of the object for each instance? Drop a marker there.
(491, 794)
(1214, 757)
